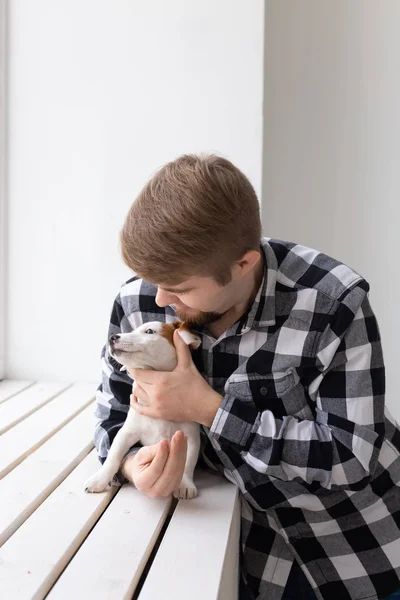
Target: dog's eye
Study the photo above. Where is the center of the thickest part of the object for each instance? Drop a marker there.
(149, 331)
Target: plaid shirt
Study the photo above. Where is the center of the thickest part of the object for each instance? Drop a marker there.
(302, 429)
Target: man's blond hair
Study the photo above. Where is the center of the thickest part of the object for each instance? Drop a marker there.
(196, 216)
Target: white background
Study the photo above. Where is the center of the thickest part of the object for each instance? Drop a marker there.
(101, 94)
(331, 166)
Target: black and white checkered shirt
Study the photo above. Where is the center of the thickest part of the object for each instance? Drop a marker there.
(302, 429)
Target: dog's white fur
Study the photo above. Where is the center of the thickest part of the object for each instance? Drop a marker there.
(149, 346)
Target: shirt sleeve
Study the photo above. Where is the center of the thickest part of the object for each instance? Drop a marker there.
(340, 447)
(113, 393)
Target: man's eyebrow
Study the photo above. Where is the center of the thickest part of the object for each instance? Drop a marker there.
(175, 291)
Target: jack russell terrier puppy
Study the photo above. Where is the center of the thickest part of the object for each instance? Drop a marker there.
(149, 346)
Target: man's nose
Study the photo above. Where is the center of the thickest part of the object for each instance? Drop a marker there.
(164, 298)
(114, 338)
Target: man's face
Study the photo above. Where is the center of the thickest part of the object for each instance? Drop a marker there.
(197, 300)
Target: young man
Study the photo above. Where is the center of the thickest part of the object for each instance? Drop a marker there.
(288, 386)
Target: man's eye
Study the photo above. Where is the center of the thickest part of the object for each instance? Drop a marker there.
(149, 331)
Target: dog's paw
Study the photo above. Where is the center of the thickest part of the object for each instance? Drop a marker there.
(186, 491)
(99, 482)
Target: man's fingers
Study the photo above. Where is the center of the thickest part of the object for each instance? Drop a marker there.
(139, 392)
(147, 453)
(174, 467)
(160, 467)
(153, 464)
(135, 389)
(145, 375)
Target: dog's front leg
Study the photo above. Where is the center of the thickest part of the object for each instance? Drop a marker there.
(102, 479)
(187, 489)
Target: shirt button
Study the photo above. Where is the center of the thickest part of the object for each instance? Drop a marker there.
(263, 390)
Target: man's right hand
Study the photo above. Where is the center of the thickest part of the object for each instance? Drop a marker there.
(158, 470)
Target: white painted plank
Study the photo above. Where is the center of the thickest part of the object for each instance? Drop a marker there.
(24, 438)
(109, 564)
(113, 552)
(25, 488)
(24, 403)
(9, 387)
(194, 550)
(228, 589)
(33, 557)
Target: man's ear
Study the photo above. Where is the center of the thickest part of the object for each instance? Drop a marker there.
(247, 262)
(189, 337)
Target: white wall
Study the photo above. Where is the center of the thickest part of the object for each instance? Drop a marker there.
(3, 169)
(331, 173)
(102, 94)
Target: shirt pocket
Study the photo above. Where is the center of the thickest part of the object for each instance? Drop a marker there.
(280, 392)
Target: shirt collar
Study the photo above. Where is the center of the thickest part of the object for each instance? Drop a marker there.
(262, 311)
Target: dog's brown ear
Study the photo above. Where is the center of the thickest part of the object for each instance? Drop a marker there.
(189, 337)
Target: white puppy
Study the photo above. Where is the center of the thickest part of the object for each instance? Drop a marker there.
(150, 346)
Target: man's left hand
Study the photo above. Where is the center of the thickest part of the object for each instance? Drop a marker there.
(179, 395)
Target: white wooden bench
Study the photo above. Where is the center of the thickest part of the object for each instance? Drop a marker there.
(58, 542)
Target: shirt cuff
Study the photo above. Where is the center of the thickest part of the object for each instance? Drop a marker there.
(234, 422)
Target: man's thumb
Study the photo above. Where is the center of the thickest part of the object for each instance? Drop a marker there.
(182, 350)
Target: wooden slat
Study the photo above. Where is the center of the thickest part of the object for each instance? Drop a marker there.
(24, 403)
(24, 438)
(9, 387)
(33, 558)
(200, 546)
(109, 564)
(42, 500)
(25, 488)
(228, 588)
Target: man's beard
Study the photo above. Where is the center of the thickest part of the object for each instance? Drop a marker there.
(198, 319)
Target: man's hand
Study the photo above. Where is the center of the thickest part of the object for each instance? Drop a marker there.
(158, 470)
(179, 395)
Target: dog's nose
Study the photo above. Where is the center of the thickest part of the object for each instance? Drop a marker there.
(114, 338)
